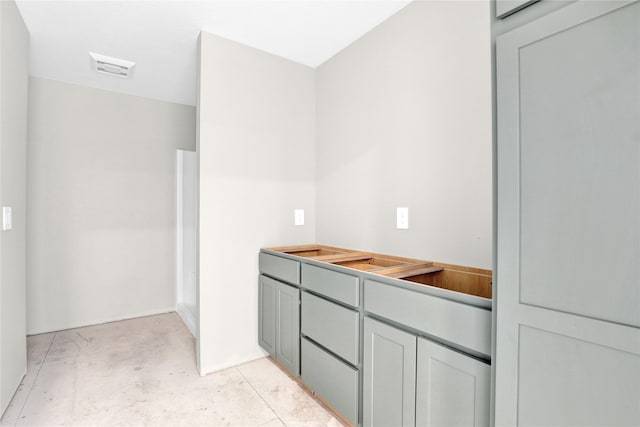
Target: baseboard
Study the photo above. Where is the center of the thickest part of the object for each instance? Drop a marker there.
(5, 405)
(95, 322)
(215, 368)
(187, 317)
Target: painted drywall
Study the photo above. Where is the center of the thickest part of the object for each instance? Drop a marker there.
(404, 120)
(14, 80)
(256, 164)
(102, 204)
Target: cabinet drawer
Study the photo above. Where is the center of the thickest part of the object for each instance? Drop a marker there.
(333, 326)
(281, 268)
(339, 286)
(464, 325)
(333, 380)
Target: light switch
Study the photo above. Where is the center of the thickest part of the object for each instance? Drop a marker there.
(298, 215)
(402, 219)
(7, 218)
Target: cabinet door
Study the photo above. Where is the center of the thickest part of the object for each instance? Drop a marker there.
(288, 327)
(568, 266)
(267, 308)
(451, 389)
(389, 386)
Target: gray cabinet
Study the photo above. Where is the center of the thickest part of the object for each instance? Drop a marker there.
(412, 381)
(389, 376)
(452, 389)
(355, 343)
(279, 322)
(568, 293)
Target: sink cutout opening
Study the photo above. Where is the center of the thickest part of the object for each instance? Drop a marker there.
(458, 281)
(309, 253)
(370, 264)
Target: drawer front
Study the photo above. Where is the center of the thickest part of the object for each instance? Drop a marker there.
(454, 322)
(281, 268)
(333, 380)
(339, 286)
(331, 325)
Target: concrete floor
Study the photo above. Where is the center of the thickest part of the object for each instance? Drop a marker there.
(142, 372)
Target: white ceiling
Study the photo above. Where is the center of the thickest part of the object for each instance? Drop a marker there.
(161, 36)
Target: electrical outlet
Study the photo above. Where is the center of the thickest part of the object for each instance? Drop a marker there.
(7, 218)
(402, 219)
(298, 216)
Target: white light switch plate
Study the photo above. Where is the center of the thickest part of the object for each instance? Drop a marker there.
(298, 215)
(7, 218)
(402, 219)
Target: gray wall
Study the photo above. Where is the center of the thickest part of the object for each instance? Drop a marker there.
(14, 71)
(256, 147)
(404, 119)
(101, 197)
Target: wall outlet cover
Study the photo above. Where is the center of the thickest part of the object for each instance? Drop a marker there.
(402, 219)
(7, 218)
(298, 215)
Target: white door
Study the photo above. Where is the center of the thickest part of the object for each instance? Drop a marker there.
(568, 271)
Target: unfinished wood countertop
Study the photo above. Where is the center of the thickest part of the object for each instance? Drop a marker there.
(467, 280)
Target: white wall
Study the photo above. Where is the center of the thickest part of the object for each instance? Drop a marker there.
(101, 197)
(256, 148)
(404, 119)
(14, 71)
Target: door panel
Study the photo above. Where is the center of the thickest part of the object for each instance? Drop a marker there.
(600, 376)
(451, 389)
(568, 268)
(389, 376)
(288, 328)
(268, 289)
(579, 169)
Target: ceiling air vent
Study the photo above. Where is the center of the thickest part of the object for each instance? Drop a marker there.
(112, 66)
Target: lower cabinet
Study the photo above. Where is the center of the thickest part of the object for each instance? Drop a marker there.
(279, 322)
(411, 381)
(451, 389)
(389, 382)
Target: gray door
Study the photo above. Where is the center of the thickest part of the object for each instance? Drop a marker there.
(389, 385)
(288, 327)
(14, 81)
(452, 389)
(267, 296)
(568, 268)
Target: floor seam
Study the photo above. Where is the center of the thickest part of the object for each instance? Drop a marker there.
(261, 397)
(35, 379)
